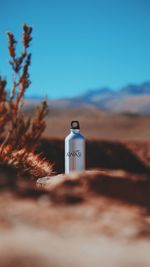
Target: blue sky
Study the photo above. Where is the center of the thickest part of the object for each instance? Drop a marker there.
(80, 44)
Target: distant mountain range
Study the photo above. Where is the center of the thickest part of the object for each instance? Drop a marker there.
(131, 99)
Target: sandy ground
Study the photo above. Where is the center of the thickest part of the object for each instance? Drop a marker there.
(97, 124)
(37, 247)
(76, 224)
(40, 234)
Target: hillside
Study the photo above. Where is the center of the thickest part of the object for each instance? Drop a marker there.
(131, 98)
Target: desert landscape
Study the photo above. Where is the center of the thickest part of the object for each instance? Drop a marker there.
(98, 217)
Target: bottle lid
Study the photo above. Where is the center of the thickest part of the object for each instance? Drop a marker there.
(75, 125)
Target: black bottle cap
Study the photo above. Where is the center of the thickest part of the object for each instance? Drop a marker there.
(75, 125)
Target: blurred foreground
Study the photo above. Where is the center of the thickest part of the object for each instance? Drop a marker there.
(95, 218)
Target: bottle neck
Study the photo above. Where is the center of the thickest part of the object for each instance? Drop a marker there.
(74, 130)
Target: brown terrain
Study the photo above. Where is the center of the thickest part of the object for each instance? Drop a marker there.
(98, 125)
(100, 217)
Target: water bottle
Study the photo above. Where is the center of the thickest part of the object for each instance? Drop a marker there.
(74, 149)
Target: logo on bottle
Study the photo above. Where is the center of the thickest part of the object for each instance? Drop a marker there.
(76, 153)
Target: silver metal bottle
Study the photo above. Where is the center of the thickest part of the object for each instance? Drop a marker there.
(74, 149)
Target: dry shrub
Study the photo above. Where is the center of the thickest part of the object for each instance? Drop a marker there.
(20, 134)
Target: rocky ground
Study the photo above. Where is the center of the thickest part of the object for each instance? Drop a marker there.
(100, 217)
